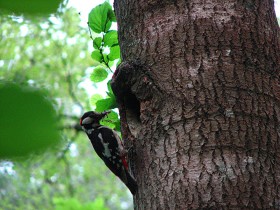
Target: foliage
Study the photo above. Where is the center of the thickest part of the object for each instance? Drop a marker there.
(52, 54)
(31, 6)
(101, 17)
(99, 74)
(74, 204)
(21, 130)
(106, 53)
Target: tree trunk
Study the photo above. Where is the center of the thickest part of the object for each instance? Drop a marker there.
(199, 97)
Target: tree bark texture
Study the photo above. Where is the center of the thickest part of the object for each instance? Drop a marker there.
(199, 97)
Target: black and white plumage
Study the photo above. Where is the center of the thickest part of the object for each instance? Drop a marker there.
(108, 146)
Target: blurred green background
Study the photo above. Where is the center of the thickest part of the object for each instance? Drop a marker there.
(46, 162)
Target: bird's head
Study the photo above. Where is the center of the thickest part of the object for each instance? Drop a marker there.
(92, 119)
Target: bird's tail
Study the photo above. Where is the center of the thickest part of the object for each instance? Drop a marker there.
(130, 182)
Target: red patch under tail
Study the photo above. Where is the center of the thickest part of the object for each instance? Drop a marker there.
(124, 162)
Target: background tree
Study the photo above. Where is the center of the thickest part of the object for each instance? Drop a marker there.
(53, 53)
(200, 80)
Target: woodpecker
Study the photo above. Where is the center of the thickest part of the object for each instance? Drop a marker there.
(108, 146)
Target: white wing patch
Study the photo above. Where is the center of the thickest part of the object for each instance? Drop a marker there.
(106, 152)
(120, 144)
(121, 150)
(89, 131)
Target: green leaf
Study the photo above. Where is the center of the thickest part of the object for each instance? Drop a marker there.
(94, 98)
(31, 6)
(96, 55)
(106, 104)
(99, 74)
(100, 18)
(27, 121)
(111, 64)
(113, 117)
(118, 126)
(97, 43)
(106, 59)
(109, 122)
(114, 53)
(111, 38)
(112, 16)
(119, 62)
(110, 91)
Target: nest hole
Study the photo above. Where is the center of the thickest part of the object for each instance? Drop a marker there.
(132, 106)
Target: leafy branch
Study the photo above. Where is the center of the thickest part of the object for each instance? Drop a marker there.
(107, 54)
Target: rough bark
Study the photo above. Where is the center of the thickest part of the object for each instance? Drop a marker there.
(199, 97)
